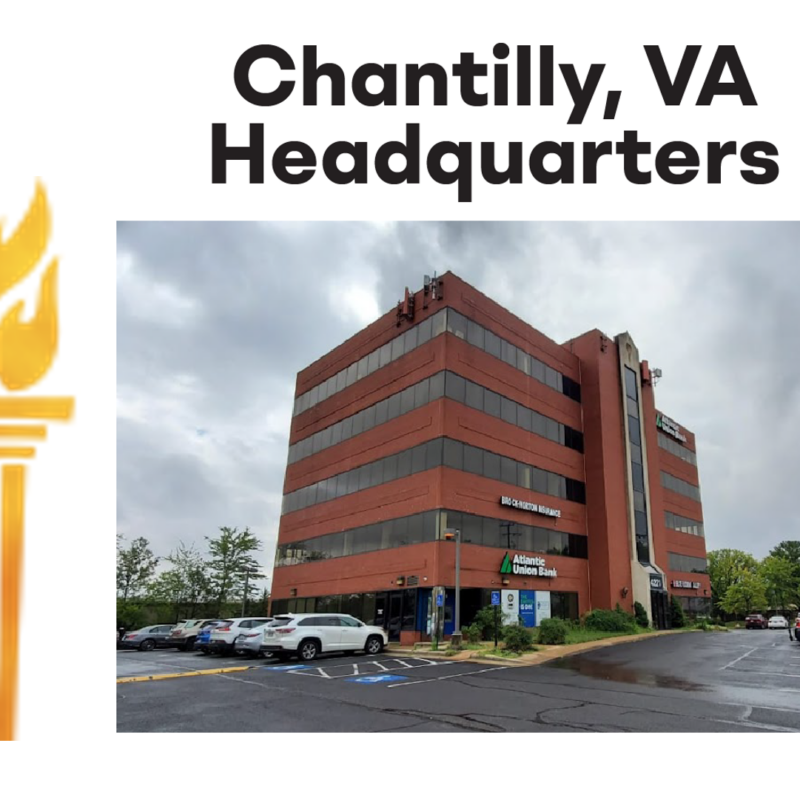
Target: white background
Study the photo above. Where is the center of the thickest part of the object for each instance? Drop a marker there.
(111, 105)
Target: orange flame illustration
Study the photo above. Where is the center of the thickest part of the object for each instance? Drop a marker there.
(27, 350)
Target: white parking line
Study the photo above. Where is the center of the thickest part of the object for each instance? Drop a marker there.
(757, 672)
(321, 672)
(736, 660)
(447, 677)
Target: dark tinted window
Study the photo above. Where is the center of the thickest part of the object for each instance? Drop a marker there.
(455, 387)
(630, 383)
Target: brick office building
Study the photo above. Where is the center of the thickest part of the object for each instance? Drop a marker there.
(569, 489)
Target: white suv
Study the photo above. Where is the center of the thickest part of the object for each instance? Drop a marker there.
(308, 635)
(223, 637)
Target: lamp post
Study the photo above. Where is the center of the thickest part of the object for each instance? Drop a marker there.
(451, 534)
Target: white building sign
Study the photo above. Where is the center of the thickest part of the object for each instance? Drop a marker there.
(527, 565)
(535, 507)
(510, 606)
(669, 426)
(686, 584)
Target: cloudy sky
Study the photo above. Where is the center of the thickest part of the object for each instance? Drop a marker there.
(216, 319)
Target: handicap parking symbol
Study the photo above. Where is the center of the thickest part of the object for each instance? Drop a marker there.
(377, 678)
(289, 666)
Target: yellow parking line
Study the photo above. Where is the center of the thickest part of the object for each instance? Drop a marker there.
(142, 678)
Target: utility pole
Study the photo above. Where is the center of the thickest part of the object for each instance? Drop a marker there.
(508, 533)
(246, 584)
(454, 533)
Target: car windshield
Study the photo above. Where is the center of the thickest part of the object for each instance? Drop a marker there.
(280, 621)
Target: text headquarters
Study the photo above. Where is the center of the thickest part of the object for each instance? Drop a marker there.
(522, 77)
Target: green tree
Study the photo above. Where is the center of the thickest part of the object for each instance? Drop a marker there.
(135, 567)
(747, 594)
(231, 558)
(676, 613)
(790, 551)
(780, 582)
(185, 586)
(726, 568)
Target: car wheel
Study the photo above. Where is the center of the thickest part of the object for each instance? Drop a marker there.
(374, 646)
(147, 644)
(190, 643)
(308, 650)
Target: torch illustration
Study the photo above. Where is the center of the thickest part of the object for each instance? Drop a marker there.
(27, 350)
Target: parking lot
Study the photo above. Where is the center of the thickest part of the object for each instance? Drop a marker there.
(736, 681)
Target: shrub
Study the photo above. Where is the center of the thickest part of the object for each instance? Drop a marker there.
(677, 617)
(517, 638)
(552, 631)
(601, 619)
(703, 624)
(484, 619)
(472, 633)
(640, 614)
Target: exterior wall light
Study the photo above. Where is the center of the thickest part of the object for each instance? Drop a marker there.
(624, 591)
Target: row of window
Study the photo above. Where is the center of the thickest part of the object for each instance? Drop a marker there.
(681, 563)
(367, 607)
(429, 455)
(411, 398)
(476, 396)
(683, 524)
(445, 320)
(446, 384)
(427, 527)
(494, 345)
(695, 606)
(637, 468)
(681, 487)
(407, 341)
(387, 535)
(373, 608)
(491, 532)
(677, 449)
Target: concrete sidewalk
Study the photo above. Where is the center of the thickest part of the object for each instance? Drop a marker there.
(542, 654)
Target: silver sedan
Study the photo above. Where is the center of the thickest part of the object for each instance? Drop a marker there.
(249, 643)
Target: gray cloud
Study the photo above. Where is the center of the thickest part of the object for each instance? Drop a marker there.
(216, 319)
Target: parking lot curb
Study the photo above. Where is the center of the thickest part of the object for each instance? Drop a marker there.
(145, 678)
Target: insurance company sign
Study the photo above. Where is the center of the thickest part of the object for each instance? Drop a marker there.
(534, 507)
(686, 584)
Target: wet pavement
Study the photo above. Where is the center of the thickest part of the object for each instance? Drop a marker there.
(735, 681)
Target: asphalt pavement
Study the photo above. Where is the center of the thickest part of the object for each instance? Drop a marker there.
(693, 682)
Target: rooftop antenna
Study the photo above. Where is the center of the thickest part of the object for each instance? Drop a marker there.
(656, 373)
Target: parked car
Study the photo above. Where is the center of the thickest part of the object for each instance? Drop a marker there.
(204, 636)
(147, 638)
(308, 635)
(778, 622)
(249, 643)
(184, 635)
(224, 636)
(755, 621)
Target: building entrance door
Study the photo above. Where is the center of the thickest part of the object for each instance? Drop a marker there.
(381, 610)
(395, 618)
(660, 609)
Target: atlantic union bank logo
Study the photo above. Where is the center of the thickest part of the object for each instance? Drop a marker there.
(28, 347)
